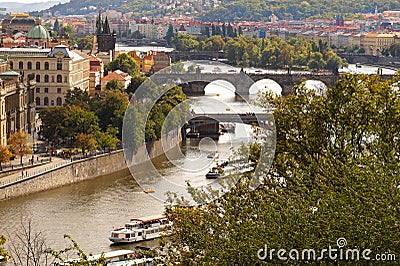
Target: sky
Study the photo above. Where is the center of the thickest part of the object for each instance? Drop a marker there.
(32, 1)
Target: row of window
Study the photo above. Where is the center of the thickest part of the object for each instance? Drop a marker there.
(29, 65)
(46, 101)
(46, 79)
(46, 90)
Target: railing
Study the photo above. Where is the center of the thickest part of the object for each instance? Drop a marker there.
(29, 174)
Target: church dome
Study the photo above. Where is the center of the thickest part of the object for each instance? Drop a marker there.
(38, 32)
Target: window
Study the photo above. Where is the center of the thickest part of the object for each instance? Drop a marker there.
(46, 65)
(59, 78)
(21, 65)
(38, 65)
(52, 78)
(37, 78)
(29, 65)
(37, 101)
(46, 78)
(46, 90)
(59, 63)
(11, 65)
(46, 101)
(37, 90)
(52, 102)
(58, 90)
(59, 101)
(65, 79)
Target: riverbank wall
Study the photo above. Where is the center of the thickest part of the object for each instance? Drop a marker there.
(89, 168)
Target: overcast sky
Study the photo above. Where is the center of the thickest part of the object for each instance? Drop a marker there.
(32, 1)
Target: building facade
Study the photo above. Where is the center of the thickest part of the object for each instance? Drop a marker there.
(16, 103)
(55, 71)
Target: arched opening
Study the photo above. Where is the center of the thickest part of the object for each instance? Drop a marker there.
(265, 85)
(46, 78)
(37, 78)
(46, 101)
(37, 65)
(316, 85)
(220, 88)
(46, 65)
(59, 101)
(29, 65)
(11, 65)
(59, 79)
(37, 101)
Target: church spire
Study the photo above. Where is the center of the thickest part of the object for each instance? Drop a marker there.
(106, 27)
(99, 21)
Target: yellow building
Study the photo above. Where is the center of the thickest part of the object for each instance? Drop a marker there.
(374, 43)
(55, 70)
(145, 61)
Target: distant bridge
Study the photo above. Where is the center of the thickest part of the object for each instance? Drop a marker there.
(209, 123)
(198, 55)
(194, 83)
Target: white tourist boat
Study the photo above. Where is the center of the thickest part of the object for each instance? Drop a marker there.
(141, 229)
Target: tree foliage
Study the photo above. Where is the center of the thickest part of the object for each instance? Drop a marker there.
(125, 63)
(335, 174)
(19, 144)
(5, 154)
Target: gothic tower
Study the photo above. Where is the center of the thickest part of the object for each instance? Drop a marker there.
(104, 38)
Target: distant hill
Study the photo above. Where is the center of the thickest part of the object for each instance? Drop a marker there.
(231, 10)
(15, 7)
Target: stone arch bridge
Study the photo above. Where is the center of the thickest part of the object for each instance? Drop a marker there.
(194, 83)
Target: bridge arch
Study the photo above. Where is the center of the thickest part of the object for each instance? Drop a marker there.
(220, 87)
(266, 84)
(316, 85)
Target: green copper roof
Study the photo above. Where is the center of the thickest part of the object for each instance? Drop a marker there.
(38, 32)
(9, 73)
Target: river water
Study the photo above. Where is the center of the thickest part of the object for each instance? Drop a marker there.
(87, 211)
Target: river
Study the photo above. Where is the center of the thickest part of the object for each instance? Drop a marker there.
(87, 211)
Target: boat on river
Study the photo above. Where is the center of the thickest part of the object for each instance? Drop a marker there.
(226, 169)
(141, 229)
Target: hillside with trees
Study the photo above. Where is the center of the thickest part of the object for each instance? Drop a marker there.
(230, 10)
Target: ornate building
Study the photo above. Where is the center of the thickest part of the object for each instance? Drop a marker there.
(17, 103)
(17, 22)
(105, 40)
(55, 71)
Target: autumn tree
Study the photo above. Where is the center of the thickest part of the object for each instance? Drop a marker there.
(3, 252)
(19, 144)
(5, 155)
(334, 175)
(86, 142)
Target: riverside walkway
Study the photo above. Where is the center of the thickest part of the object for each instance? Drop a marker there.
(31, 171)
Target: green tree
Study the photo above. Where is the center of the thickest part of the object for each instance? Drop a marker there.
(112, 110)
(125, 63)
(115, 85)
(136, 81)
(53, 127)
(85, 43)
(334, 174)
(19, 144)
(170, 34)
(107, 139)
(80, 121)
(184, 42)
(78, 97)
